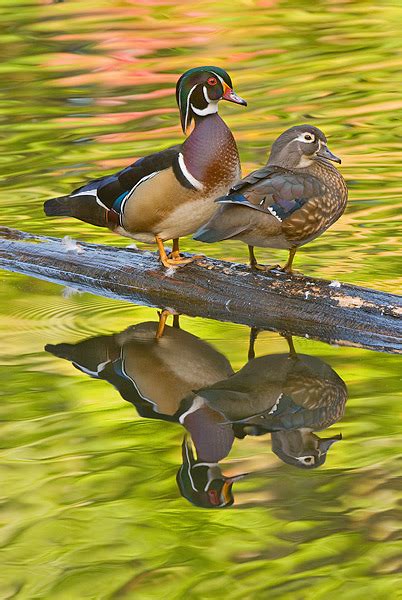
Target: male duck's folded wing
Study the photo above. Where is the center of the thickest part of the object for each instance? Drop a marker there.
(92, 201)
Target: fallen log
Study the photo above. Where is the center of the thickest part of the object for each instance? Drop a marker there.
(337, 313)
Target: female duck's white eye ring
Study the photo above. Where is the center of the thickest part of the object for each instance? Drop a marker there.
(306, 137)
(306, 460)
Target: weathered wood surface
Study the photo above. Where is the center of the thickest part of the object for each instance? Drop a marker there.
(304, 306)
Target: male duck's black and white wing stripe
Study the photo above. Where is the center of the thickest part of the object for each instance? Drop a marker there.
(92, 202)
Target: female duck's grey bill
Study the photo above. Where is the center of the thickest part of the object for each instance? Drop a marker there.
(231, 96)
(325, 152)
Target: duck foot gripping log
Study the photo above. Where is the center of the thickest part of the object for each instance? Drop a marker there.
(304, 306)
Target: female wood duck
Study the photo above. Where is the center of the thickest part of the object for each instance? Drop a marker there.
(287, 395)
(287, 203)
(168, 194)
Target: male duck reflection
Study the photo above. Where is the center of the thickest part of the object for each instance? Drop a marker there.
(288, 395)
(171, 193)
(158, 377)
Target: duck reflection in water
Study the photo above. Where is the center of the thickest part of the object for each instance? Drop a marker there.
(180, 378)
(287, 395)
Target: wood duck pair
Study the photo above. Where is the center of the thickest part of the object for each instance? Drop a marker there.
(287, 203)
(183, 379)
(171, 193)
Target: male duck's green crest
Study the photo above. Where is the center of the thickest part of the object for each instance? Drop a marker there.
(199, 90)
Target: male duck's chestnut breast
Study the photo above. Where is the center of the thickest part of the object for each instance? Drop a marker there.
(211, 155)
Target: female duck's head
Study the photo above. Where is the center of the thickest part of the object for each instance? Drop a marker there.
(199, 90)
(299, 147)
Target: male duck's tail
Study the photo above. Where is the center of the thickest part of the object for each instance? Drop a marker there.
(84, 208)
(60, 207)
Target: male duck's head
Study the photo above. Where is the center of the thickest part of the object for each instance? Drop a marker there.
(302, 448)
(203, 484)
(299, 147)
(199, 90)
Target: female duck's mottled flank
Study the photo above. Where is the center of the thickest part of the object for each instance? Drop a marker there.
(287, 203)
(171, 193)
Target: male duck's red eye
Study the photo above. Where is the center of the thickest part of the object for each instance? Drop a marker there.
(212, 80)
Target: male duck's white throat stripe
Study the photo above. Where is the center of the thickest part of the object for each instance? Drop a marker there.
(208, 110)
(186, 173)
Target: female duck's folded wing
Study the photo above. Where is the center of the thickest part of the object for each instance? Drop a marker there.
(255, 177)
(278, 188)
(271, 190)
(94, 201)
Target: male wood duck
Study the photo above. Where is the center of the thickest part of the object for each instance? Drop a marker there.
(287, 203)
(154, 375)
(171, 193)
(287, 395)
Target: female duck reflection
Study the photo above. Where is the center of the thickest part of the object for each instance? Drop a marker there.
(181, 378)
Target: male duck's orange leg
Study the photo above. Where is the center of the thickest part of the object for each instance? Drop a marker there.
(174, 260)
(175, 254)
(163, 315)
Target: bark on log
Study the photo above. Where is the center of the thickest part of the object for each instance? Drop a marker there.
(303, 306)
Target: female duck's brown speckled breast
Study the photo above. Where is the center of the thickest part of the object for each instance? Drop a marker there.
(318, 214)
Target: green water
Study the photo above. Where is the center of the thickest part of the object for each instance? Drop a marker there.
(90, 507)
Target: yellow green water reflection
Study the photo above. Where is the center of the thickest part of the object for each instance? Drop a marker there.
(90, 505)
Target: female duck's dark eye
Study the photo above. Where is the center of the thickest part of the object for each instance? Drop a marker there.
(212, 80)
(308, 137)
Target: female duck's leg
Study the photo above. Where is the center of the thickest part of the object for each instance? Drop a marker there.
(254, 331)
(288, 266)
(254, 264)
(292, 351)
(253, 261)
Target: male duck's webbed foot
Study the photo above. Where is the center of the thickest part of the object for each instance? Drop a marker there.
(174, 259)
(255, 266)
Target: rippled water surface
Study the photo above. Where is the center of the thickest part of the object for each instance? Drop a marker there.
(98, 501)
